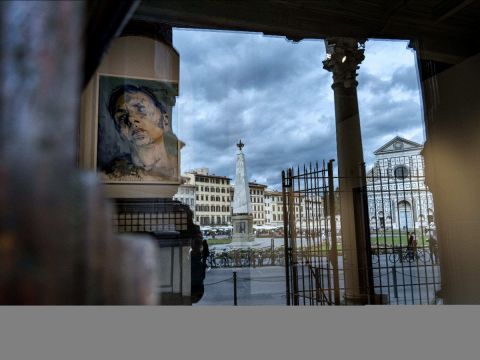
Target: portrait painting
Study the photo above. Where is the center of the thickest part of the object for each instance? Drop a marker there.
(135, 140)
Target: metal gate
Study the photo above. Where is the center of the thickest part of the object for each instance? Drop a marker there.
(397, 250)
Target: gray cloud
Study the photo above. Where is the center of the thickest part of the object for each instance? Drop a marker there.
(404, 78)
(276, 97)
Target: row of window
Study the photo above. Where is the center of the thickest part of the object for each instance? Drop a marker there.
(400, 172)
(256, 192)
(213, 180)
(274, 198)
(212, 189)
(213, 220)
(257, 208)
(216, 208)
(212, 198)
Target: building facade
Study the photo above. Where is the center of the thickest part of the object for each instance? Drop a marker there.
(186, 194)
(257, 200)
(273, 208)
(397, 195)
(212, 197)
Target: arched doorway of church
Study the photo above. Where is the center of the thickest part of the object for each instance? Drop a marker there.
(405, 215)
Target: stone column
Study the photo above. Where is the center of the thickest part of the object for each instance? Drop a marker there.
(343, 58)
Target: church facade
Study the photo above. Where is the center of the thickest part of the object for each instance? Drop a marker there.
(398, 197)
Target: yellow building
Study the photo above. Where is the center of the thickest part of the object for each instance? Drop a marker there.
(212, 197)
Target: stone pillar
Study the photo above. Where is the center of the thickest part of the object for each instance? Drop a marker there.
(343, 57)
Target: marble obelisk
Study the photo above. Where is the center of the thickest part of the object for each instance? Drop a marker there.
(242, 218)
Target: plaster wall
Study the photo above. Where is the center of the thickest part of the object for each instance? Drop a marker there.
(452, 153)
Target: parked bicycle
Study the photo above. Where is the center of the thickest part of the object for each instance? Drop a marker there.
(226, 258)
(212, 260)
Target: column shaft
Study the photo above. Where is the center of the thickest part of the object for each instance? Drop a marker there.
(343, 57)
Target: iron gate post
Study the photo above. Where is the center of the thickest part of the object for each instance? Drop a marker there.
(362, 230)
(285, 236)
(293, 237)
(333, 225)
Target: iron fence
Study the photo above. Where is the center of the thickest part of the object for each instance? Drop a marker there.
(395, 257)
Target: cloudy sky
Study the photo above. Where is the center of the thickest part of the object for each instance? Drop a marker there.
(275, 96)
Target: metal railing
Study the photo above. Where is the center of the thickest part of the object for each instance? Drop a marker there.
(396, 247)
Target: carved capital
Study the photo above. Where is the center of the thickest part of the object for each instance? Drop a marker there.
(344, 56)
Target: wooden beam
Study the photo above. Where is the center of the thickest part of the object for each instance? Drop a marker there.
(448, 8)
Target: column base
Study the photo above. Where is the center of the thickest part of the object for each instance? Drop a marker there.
(364, 299)
(356, 299)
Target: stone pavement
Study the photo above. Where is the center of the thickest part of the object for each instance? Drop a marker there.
(255, 286)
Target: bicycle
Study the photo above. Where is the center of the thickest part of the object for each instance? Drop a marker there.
(408, 255)
(375, 256)
(212, 259)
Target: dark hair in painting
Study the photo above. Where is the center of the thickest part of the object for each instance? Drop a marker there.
(130, 89)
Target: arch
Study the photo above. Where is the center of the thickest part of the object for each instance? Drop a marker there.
(388, 221)
(405, 215)
(381, 219)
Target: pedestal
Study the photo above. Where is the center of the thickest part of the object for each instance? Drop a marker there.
(242, 228)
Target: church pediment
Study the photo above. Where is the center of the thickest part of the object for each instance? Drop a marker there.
(398, 144)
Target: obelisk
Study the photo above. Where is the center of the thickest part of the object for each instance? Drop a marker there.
(242, 218)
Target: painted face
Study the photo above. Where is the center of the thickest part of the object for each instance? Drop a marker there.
(138, 118)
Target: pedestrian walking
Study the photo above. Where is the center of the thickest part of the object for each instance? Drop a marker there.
(412, 246)
(433, 247)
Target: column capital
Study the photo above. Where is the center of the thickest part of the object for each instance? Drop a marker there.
(344, 56)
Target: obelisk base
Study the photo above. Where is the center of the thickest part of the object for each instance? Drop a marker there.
(242, 228)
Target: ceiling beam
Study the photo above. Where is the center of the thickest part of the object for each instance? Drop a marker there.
(448, 8)
(297, 20)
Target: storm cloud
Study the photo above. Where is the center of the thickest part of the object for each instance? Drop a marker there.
(275, 96)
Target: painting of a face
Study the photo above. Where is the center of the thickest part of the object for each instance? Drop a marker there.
(135, 140)
(138, 118)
